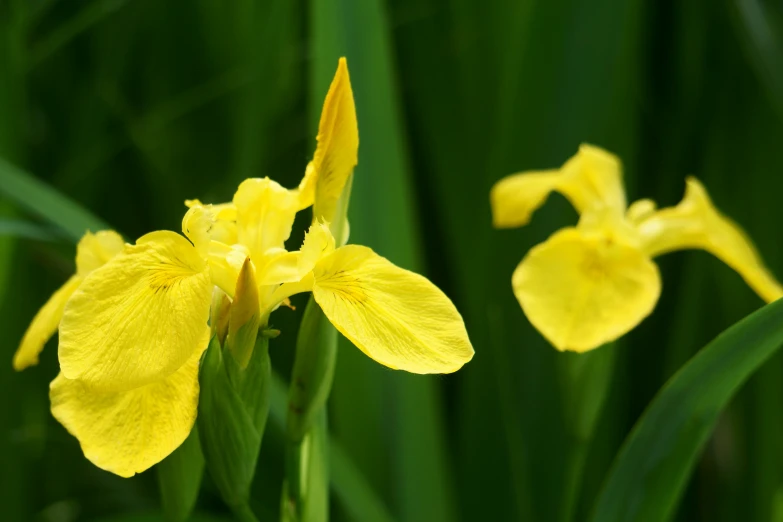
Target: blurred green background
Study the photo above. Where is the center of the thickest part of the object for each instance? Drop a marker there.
(131, 106)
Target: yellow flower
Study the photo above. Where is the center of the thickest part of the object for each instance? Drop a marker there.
(590, 284)
(133, 324)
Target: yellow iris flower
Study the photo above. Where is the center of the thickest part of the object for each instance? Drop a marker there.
(590, 284)
(133, 322)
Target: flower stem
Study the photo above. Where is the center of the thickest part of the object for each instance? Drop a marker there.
(306, 488)
(585, 379)
(243, 513)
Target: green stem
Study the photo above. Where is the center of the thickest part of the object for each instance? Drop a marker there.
(305, 492)
(585, 380)
(243, 513)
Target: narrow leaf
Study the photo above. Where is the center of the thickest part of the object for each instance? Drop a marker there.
(45, 202)
(653, 467)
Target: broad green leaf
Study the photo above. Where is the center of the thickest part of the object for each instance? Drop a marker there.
(653, 467)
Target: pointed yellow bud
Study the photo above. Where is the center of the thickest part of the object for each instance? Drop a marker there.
(244, 317)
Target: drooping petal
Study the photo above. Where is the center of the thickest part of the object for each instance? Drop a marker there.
(44, 325)
(139, 317)
(695, 223)
(581, 291)
(95, 250)
(338, 145)
(396, 317)
(128, 432)
(593, 177)
(265, 215)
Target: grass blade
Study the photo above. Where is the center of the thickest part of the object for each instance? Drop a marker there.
(653, 467)
(45, 202)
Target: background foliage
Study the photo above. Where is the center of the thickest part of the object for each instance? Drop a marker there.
(131, 106)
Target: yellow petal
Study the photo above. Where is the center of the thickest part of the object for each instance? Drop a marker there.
(265, 215)
(95, 250)
(582, 291)
(225, 262)
(290, 267)
(197, 225)
(44, 325)
(593, 177)
(696, 223)
(128, 432)
(338, 145)
(224, 226)
(396, 317)
(139, 317)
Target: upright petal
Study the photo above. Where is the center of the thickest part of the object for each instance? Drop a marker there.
(197, 225)
(394, 316)
(265, 215)
(338, 145)
(581, 291)
(224, 227)
(128, 432)
(139, 317)
(696, 223)
(593, 177)
(44, 325)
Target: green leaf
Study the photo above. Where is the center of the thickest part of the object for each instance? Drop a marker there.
(763, 37)
(25, 229)
(653, 467)
(45, 202)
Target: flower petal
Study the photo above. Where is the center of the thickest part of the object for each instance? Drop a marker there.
(95, 250)
(138, 318)
(396, 317)
(44, 325)
(593, 177)
(696, 223)
(265, 215)
(338, 145)
(128, 432)
(581, 291)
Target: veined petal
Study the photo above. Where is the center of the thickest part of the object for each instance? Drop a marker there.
(696, 223)
(593, 177)
(290, 267)
(44, 325)
(95, 250)
(265, 214)
(581, 291)
(128, 432)
(139, 317)
(338, 144)
(396, 317)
